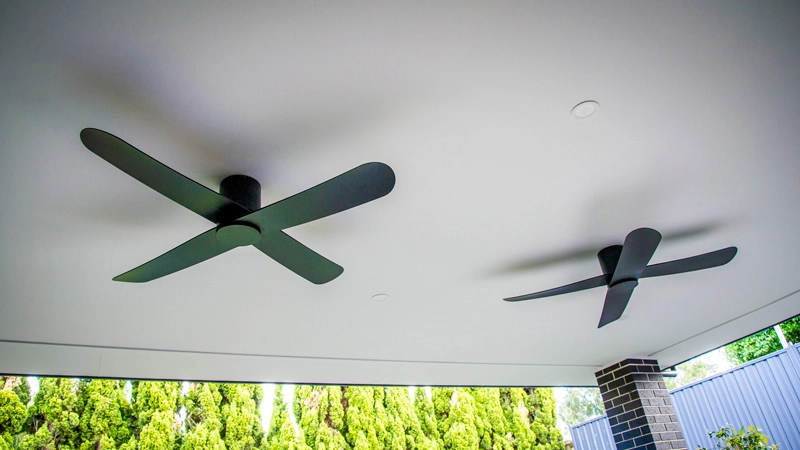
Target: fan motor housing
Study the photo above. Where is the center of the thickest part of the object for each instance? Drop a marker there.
(243, 190)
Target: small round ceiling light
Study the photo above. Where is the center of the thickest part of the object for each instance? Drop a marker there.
(585, 109)
(380, 297)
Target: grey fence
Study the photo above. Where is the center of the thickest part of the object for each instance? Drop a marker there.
(764, 392)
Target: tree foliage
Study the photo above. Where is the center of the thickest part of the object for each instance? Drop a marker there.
(689, 372)
(73, 414)
(13, 412)
(241, 419)
(762, 343)
(580, 404)
(203, 417)
(106, 415)
(728, 438)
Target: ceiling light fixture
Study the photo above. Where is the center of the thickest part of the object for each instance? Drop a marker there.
(585, 109)
(380, 297)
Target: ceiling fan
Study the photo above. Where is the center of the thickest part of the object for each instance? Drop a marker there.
(623, 266)
(236, 210)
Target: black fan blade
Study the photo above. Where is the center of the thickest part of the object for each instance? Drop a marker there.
(639, 247)
(191, 252)
(574, 287)
(365, 183)
(705, 261)
(616, 300)
(166, 181)
(298, 258)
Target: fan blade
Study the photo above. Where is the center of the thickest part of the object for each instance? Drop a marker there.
(705, 261)
(639, 247)
(191, 252)
(169, 183)
(574, 287)
(298, 258)
(365, 183)
(616, 300)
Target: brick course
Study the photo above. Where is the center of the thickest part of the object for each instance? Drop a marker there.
(638, 406)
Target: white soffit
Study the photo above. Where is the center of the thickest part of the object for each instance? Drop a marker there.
(500, 191)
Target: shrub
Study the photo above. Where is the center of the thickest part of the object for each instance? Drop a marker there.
(728, 438)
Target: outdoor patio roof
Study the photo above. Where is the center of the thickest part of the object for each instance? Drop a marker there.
(499, 191)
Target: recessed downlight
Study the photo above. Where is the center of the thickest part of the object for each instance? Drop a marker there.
(380, 297)
(585, 109)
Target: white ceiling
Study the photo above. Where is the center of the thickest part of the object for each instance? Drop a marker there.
(499, 191)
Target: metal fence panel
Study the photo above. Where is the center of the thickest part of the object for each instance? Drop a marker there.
(594, 434)
(764, 392)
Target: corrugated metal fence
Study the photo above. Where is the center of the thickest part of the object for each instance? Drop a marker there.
(764, 392)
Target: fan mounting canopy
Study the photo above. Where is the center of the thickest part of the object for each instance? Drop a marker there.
(238, 234)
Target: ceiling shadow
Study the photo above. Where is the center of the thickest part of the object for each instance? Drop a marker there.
(590, 251)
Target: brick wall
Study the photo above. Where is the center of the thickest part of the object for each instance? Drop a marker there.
(638, 406)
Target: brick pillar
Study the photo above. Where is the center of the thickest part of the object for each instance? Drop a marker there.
(638, 406)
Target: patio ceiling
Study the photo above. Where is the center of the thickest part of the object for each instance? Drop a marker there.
(499, 191)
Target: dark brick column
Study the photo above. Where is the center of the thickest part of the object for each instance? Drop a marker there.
(638, 406)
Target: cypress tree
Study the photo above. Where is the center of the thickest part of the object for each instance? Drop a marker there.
(281, 434)
(490, 420)
(280, 414)
(360, 419)
(518, 418)
(381, 418)
(13, 410)
(55, 415)
(306, 412)
(441, 396)
(332, 429)
(17, 385)
(542, 407)
(203, 418)
(105, 422)
(155, 404)
(423, 407)
(241, 419)
(461, 430)
(320, 416)
(403, 421)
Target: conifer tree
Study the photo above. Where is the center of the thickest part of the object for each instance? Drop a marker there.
(17, 385)
(518, 418)
(281, 434)
(423, 407)
(332, 424)
(13, 410)
(306, 412)
(542, 406)
(381, 418)
(203, 418)
(55, 415)
(105, 422)
(241, 418)
(320, 415)
(287, 439)
(360, 419)
(395, 428)
(279, 414)
(403, 421)
(461, 430)
(441, 397)
(155, 405)
(490, 420)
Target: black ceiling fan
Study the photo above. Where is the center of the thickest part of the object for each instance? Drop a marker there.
(236, 210)
(623, 266)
